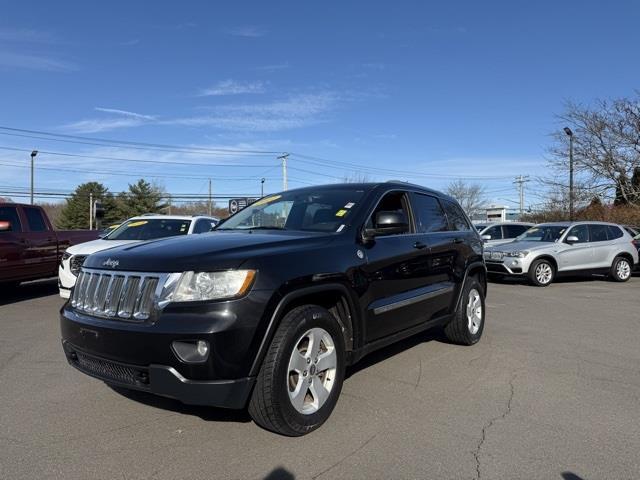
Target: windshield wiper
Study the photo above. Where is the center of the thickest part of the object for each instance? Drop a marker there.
(264, 227)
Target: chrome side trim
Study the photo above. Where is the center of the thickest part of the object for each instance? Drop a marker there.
(412, 300)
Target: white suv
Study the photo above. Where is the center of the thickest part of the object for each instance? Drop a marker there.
(136, 229)
(550, 249)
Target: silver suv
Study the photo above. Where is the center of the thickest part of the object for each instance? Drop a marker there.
(503, 232)
(551, 249)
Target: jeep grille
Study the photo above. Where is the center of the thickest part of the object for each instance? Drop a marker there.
(117, 295)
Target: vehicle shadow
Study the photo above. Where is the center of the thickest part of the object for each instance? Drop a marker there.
(209, 414)
(558, 280)
(434, 334)
(280, 473)
(28, 291)
(570, 476)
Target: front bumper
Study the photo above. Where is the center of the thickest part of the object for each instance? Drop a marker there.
(162, 380)
(507, 266)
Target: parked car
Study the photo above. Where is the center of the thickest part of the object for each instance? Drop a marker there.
(270, 308)
(30, 248)
(635, 233)
(503, 232)
(551, 249)
(134, 230)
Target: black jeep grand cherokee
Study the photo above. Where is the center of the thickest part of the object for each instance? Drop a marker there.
(271, 307)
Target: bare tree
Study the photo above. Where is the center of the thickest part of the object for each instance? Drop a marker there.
(606, 140)
(470, 196)
(357, 177)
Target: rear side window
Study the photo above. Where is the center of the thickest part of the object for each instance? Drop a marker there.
(10, 214)
(457, 220)
(513, 231)
(598, 233)
(429, 214)
(614, 232)
(35, 219)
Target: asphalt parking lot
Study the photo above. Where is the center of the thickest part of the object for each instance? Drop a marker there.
(552, 391)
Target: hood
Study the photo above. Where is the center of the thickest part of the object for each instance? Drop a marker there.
(519, 246)
(87, 248)
(207, 251)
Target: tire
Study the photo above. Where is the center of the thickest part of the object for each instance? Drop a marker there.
(467, 324)
(280, 383)
(542, 273)
(621, 269)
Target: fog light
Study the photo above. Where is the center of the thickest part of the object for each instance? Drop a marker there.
(191, 351)
(515, 262)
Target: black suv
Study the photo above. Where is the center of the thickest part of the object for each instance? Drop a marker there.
(270, 308)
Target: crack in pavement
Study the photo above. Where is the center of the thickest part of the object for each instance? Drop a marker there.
(419, 375)
(346, 457)
(488, 425)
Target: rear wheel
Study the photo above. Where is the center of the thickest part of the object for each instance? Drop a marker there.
(301, 377)
(620, 269)
(467, 325)
(541, 273)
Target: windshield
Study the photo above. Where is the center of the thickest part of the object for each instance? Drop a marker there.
(542, 233)
(148, 229)
(321, 211)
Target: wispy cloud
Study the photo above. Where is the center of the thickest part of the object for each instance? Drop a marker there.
(129, 43)
(273, 67)
(247, 31)
(25, 35)
(232, 87)
(125, 113)
(10, 60)
(294, 111)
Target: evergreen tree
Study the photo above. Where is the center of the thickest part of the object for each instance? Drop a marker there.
(75, 213)
(141, 198)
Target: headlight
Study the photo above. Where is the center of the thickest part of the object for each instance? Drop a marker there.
(199, 286)
(521, 254)
(65, 256)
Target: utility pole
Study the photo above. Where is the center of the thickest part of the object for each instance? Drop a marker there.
(33, 156)
(91, 211)
(520, 181)
(284, 157)
(209, 197)
(569, 133)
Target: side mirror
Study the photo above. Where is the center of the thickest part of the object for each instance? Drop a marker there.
(5, 226)
(486, 237)
(572, 239)
(387, 223)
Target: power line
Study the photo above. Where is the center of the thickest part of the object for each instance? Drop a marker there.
(119, 143)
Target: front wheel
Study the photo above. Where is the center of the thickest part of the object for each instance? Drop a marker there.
(468, 321)
(301, 377)
(541, 273)
(620, 269)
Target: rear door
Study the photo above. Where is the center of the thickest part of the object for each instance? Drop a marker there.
(42, 244)
(601, 245)
(12, 246)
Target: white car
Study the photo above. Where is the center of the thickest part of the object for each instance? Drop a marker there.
(503, 232)
(136, 229)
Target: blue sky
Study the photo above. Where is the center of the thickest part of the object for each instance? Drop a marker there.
(420, 91)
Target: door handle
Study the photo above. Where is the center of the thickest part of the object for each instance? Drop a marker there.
(458, 240)
(419, 245)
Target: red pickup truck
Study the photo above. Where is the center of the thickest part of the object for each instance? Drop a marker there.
(29, 246)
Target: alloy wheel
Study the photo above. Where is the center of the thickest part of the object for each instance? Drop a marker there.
(474, 311)
(623, 269)
(312, 371)
(544, 273)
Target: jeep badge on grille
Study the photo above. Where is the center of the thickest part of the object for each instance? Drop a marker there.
(110, 263)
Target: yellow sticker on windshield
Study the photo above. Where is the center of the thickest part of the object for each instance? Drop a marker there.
(341, 213)
(137, 224)
(265, 200)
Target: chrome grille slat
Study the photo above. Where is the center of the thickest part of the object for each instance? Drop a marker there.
(117, 295)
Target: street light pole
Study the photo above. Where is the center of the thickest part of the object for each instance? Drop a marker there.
(33, 156)
(568, 131)
(261, 187)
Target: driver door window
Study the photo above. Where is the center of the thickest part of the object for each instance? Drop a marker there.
(391, 202)
(581, 232)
